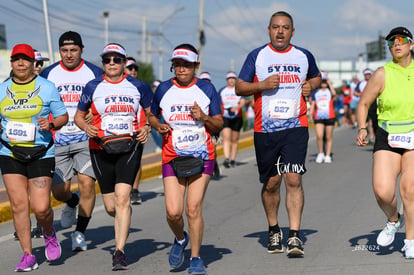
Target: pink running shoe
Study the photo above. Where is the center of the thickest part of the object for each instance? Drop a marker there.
(52, 247)
(27, 263)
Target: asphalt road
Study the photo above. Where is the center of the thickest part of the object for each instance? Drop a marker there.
(340, 223)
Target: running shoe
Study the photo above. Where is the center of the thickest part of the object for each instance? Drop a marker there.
(37, 231)
(320, 157)
(275, 242)
(53, 251)
(78, 241)
(233, 163)
(135, 197)
(327, 159)
(119, 261)
(27, 263)
(226, 163)
(68, 216)
(387, 235)
(294, 247)
(196, 266)
(408, 249)
(176, 257)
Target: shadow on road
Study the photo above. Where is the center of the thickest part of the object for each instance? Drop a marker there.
(368, 242)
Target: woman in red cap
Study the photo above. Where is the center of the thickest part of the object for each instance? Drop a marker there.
(392, 87)
(27, 160)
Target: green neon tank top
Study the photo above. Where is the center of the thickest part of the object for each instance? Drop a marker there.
(396, 103)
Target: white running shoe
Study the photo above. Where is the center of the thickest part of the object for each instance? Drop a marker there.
(68, 217)
(408, 249)
(320, 157)
(327, 159)
(387, 235)
(78, 241)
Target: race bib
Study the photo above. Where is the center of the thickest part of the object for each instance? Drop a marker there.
(70, 127)
(404, 141)
(283, 108)
(117, 125)
(188, 138)
(20, 131)
(323, 104)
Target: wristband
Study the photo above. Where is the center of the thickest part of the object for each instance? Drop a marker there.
(51, 126)
(360, 129)
(147, 124)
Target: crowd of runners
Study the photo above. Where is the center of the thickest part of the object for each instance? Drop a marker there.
(76, 119)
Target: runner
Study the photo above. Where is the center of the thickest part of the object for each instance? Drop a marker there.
(232, 118)
(115, 138)
(323, 114)
(191, 111)
(280, 75)
(393, 154)
(70, 76)
(27, 151)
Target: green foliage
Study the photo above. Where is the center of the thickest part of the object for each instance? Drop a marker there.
(146, 73)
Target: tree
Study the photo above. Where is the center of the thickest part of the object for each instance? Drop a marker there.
(146, 73)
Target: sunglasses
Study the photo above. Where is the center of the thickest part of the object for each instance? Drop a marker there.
(39, 64)
(402, 40)
(132, 67)
(116, 60)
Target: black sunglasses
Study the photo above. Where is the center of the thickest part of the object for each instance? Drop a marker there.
(132, 67)
(39, 64)
(116, 60)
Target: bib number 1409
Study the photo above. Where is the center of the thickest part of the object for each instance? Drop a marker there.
(188, 138)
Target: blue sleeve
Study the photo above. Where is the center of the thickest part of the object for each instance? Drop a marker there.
(146, 95)
(313, 95)
(155, 105)
(98, 72)
(85, 100)
(215, 104)
(46, 71)
(358, 87)
(313, 70)
(248, 71)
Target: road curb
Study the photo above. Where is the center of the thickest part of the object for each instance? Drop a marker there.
(149, 171)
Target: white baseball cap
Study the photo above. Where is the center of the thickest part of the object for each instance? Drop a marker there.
(114, 48)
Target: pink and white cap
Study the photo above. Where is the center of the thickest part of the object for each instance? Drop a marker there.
(39, 57)
(205, 75)
(130, 62)
(231, 75)
(114, 48)
(185, 54)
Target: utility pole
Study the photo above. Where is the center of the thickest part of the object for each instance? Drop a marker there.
(106, 20)
(144, 38)
(201, 37)
(48, 36)
(149, 49)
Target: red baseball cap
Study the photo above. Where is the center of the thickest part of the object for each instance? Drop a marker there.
(25, 49)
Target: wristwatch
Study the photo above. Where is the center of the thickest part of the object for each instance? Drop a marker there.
(51, 126)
